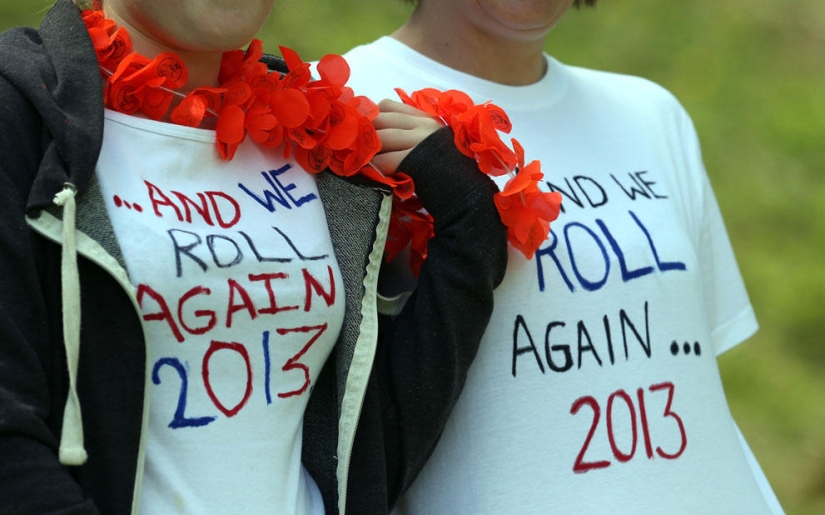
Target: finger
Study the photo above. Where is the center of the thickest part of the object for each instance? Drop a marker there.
(391, 106)
(387, 162)
(405, 121)
(396, 121)
(402, 139)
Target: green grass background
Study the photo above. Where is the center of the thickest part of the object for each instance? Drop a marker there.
(752, 74)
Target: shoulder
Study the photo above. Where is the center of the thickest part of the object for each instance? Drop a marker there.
(362, 51)
(620, 89)
(619, 84)
(626, 98)
(19, 39)
(21, 55)
(380, 52)
(50, 98)
(22, 58)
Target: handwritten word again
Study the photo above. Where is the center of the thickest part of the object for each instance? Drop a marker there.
(603, 242)
(559, 356)
(201, 321)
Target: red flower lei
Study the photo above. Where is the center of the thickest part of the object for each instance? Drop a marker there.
(325, 124)
(321, 121)
(524, 209)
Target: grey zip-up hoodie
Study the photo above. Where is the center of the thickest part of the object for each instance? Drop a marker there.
(72, 350)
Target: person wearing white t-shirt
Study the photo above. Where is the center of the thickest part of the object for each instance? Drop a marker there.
(596, 388)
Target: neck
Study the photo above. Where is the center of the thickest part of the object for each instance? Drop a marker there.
(468, 49)
(203, 67)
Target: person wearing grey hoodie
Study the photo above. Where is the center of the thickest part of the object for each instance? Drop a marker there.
(76, 369)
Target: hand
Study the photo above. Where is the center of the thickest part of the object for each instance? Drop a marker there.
(400, 128)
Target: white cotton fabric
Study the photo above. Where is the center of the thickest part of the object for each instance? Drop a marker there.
(242, 302)
(596, 387)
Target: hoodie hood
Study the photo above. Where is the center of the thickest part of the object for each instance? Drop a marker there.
(64, 87)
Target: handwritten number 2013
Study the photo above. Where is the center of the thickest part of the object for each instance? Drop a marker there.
(581, 466)
(181, 420)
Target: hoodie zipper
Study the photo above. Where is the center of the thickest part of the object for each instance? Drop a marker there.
(50, 227)
(370, 343)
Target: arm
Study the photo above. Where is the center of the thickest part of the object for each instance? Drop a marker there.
(427, 349)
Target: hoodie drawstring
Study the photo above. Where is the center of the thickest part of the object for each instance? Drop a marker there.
(72, 451)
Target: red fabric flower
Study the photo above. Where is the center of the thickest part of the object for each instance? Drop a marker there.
(401, 184)
(476, 133)
(410, 225)
(110, 43)
(194, 107)
(140, 84)
(524, 209)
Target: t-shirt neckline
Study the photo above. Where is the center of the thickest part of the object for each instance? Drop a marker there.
(547, 91)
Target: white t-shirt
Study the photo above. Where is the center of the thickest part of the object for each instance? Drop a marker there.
(242, 301)
(596, 387)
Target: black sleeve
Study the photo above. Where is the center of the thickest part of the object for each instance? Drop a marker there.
(425, 352)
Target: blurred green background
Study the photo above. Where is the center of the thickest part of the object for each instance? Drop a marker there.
(752, 75)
